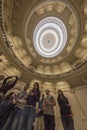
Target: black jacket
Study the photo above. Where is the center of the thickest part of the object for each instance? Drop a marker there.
(65, 108)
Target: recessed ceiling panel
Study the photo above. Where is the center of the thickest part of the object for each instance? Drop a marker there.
(50, 36)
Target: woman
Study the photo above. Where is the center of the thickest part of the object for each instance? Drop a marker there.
(65, 111)
(28, 114)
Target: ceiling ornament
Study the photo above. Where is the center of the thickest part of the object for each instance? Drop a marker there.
(50, 36)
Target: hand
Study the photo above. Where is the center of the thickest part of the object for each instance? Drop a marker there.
(48, 102)
(72, 114)
(32, 94)
(38, 110)
(68, 105)
(14, 101)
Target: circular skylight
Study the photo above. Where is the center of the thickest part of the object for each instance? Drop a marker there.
(50, 37)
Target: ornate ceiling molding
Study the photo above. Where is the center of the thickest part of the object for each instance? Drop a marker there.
(45, 12)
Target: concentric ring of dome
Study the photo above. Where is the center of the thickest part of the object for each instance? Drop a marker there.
(50, 37)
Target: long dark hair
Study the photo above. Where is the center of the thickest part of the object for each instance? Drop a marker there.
(26, 87)
(60, 91)
(34, 88)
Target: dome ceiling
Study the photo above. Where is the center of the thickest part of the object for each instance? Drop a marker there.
(46, 40)
(59, 10)
(50, 37)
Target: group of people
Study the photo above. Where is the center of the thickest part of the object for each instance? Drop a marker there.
(49, 114)
(31, 110)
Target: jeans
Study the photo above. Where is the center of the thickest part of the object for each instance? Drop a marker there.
(68, 122)
(27, 118)
(5, 109)
(49, 122)
(13, 119)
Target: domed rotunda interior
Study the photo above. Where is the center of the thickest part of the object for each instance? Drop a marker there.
(45, 41)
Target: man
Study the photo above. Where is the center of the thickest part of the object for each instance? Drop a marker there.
(49, 117)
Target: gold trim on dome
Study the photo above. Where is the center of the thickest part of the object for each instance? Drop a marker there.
(71, 23)
(84, 40)
(60, 8)
(85, 8)
(85, 25)
(49, 7)
(47, 12)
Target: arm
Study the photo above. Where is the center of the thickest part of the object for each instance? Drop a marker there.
(67, 102)
(5, 81)
(52, 102)
(37, 96)
(21, 98)
(14, 82)
(58, 100)
(44, 104)
(62, 101)
(6, 87)
(40, 106)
